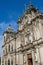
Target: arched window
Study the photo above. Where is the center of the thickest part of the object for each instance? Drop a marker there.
(3, 52)
(6, 49)
(5, 62)
(2, 61)
(9, 48)
(8, 62)
(4, 38)
(12, 47)
(11, 62)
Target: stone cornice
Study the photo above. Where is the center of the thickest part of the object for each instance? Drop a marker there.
(27, 47)
(38, 16)
(8, 32)
(7, 42)
(30, 45)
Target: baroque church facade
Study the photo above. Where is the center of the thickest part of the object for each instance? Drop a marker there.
(25, 46)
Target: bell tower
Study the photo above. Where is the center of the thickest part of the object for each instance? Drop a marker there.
(8, 33)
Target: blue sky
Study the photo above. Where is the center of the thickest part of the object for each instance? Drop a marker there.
(9, 12)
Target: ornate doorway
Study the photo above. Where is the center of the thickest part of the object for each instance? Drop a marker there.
(29, 58)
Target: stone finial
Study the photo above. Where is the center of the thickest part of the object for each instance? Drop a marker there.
(31, 5)
(19, 19)
(25, 6)
(9, 26)
(9, 29)
(37, 10)
(24, 12)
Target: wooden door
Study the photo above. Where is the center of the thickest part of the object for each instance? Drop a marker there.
(29, 58)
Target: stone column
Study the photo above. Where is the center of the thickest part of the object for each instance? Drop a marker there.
(4, 61)
(10, 60)
(1, 60)
(23, 58)
(36, 56)
(33, 57)
(26, 59)
(20, 59)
